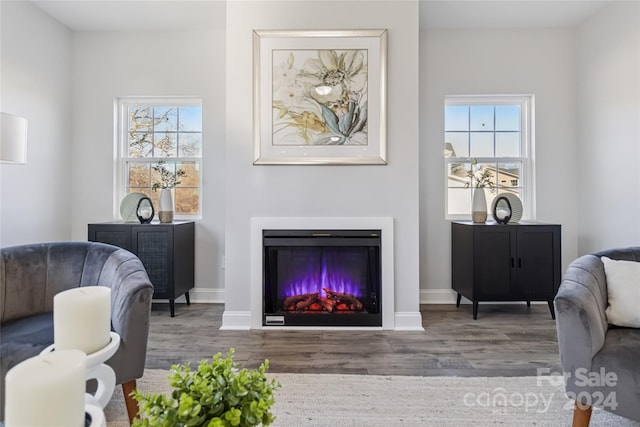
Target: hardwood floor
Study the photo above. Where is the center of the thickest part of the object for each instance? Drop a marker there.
(506, 340)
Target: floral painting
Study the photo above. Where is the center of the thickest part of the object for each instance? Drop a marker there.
(319, 97)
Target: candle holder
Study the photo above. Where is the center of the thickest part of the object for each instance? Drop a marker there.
(52, 382)
(101, 372)
(94, 416)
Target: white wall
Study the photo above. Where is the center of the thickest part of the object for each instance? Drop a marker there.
(468, 62)
(36, 84)
(108, 65)
(587, 121)
(323, 191)
(609, 128)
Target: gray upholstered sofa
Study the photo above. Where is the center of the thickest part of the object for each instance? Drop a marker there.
(30, 276)
(591, 350)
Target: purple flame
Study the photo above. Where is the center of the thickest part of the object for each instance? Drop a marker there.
(314, 281)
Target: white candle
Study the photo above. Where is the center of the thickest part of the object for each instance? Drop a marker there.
(145, 212)
(502, 213)
(82, 318)
(47, 390)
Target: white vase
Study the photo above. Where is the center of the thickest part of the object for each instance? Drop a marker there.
(165, 210)
(479, 206)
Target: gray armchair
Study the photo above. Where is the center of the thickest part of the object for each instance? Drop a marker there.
(30, 276)
(599, 361)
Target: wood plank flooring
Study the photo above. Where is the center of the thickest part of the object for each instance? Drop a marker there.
(506, 340)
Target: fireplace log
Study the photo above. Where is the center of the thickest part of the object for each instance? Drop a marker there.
(301, 305)
(327, 304)
(315, 306)
(296, 298)
(348, 299)
(334, 301)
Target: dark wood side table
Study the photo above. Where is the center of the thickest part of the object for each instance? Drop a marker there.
(505, 262)
(166, 250)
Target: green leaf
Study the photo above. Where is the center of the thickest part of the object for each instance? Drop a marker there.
(217, 394)
(233, 415)
(345, 120)
(330, 118)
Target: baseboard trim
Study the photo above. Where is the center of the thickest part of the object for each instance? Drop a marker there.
(439, 296)
(200, 295)
(207, 295)
(216, 296)
(408, 321)
(448, 296)
(236, 320)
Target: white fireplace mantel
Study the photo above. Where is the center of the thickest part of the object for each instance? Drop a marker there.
(311, 223)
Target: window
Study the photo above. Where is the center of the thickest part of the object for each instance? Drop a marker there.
(165, 133)
(488, 137)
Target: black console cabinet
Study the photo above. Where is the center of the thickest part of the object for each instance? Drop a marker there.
(512, 262)
(165, 249)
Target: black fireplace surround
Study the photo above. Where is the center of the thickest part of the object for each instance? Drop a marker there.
(321, 278)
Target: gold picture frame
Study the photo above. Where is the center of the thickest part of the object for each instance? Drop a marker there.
(320, 97)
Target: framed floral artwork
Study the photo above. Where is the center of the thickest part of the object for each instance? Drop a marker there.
(320, 97)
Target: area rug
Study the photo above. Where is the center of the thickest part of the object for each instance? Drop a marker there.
(323, 400)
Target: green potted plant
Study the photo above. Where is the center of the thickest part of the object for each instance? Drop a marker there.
(216, 394)
(168, 180)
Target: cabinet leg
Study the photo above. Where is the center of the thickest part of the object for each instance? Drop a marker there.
(172, 307)
(528, 303)
(458, 300)
(186, 296)
(475, 310)
(551, 309)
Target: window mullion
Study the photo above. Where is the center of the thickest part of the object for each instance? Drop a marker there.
(511, 173)
(130, 167)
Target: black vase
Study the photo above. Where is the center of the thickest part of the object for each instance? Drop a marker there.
(145, 211)
(499, 204)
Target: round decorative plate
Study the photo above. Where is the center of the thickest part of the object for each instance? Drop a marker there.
(129, 205)
(516, 206)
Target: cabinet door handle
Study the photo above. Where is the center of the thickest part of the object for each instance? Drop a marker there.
(519, 262)
(513, 262)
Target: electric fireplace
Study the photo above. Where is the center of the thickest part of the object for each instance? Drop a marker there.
(321, 278)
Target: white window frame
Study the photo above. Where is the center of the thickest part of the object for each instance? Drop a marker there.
(527, 132)
(121, 145)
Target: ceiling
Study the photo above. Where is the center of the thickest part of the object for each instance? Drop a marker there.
(150, 15)
(506, 13)
(137, 15)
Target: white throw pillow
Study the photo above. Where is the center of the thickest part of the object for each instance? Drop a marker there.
(623, 287)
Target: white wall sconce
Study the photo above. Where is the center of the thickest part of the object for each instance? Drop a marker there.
(13, 139)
